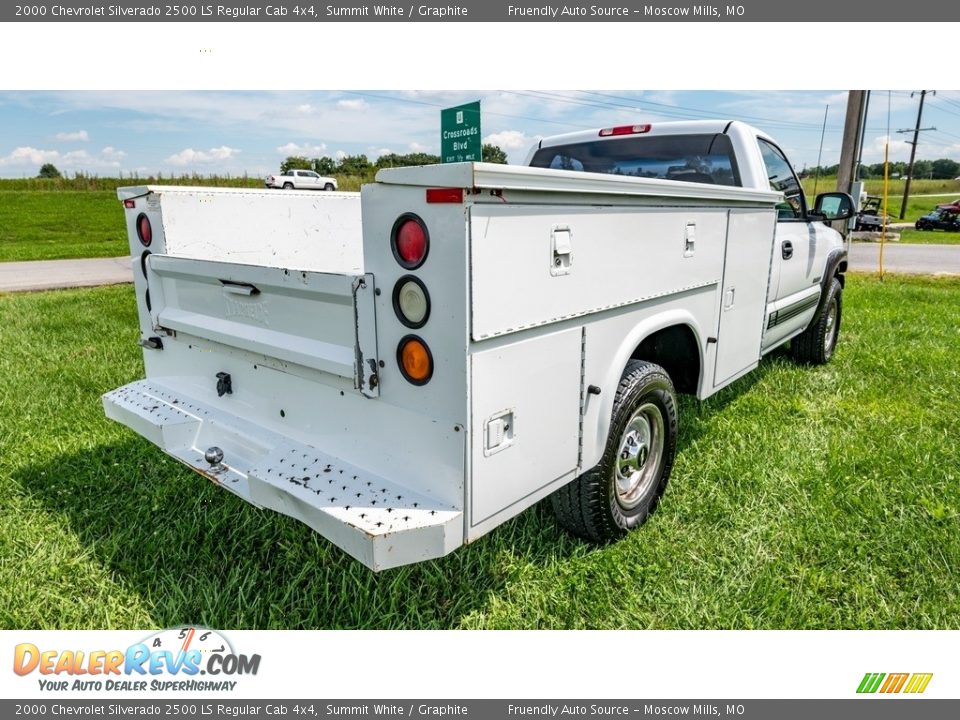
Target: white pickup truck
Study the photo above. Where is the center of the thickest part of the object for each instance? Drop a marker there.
(300, 180)
(406, 368)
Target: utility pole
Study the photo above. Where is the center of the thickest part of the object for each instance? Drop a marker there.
(852, 128)
(913, 150)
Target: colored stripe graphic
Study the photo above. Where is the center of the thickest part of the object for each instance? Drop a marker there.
(870, 682)
(894, 683)
(918, 682)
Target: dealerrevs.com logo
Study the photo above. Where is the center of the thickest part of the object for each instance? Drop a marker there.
(169, 660)
(890, 683)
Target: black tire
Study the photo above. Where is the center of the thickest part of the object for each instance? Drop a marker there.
(816, 344)
(288, 186)
(328, 187)
(594, 506)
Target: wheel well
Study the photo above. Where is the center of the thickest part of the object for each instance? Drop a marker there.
(674, 349)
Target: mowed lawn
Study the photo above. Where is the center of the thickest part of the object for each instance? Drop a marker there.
(801, 498)
(48, 225)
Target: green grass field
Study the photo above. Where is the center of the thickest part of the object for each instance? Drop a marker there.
(801, 498)
(40, 225)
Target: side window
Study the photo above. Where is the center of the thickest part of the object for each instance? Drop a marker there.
(782, 179)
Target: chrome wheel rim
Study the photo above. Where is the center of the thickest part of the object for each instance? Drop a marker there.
(639, 457)
(830, 336)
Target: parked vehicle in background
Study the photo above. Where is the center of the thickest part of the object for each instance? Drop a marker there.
(943, 218)
(406, 368)
(870, 217)
(301, 180)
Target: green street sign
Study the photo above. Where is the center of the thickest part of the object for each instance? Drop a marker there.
(460, 134)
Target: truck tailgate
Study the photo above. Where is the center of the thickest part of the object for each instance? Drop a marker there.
(322, 321)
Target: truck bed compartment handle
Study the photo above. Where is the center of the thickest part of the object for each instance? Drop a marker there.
(239, 288)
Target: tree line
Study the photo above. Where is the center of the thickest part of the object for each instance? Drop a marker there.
(942, 169)
(361, 164)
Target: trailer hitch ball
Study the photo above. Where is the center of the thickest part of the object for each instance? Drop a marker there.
(214, 456)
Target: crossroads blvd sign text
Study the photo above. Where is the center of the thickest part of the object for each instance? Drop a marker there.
(460, 133)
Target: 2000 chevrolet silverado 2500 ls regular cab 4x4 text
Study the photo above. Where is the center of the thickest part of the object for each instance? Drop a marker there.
(405, 368)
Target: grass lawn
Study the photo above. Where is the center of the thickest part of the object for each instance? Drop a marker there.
(801, 498)
(41, 225)
(928, 237)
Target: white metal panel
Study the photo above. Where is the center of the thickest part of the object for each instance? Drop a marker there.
(743, 294)
(311, 319)
(617, 256)
(534, 384)
(305, 230)
(376, 520)
(519, 178)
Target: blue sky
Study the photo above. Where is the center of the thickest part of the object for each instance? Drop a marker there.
(143, 132)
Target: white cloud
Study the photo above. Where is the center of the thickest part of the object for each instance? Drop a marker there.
(28, 158)
(78, 136)
(306, 108)
(418, 147)
(353, 104)
(24, 156)
(307, 150)
(509, 140)
(189, 156)
(377, 152)
(340, 154)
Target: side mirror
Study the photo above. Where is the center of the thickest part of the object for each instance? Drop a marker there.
(833, 206)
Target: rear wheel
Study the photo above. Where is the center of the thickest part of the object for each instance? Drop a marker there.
(619, 493)
(288, 186)
(816, 344)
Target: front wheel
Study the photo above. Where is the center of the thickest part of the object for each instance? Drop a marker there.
(816, 344)
(618, 494)
(328, 187)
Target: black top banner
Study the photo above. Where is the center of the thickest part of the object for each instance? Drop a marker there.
(484, 11)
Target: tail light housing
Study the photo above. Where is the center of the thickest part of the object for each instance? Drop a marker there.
(144, 230)
(415, 360)
(410, 241)
(411, 302)
(626, 130)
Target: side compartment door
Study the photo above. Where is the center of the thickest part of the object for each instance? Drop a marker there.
(525, 421)
(746, 272)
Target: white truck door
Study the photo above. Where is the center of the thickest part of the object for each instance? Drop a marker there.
(796, 269)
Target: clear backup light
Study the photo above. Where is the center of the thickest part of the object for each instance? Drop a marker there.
(411, 301)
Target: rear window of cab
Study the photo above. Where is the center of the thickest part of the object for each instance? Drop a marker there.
(691, 158)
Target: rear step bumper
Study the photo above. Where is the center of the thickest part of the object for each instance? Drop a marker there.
(380, 523)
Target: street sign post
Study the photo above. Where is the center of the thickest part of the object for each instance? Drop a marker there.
(460, 139)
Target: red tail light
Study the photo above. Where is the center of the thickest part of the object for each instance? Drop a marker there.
(444, 195)
(625, 130)
(144, 230)
(410, 241)
(130, 204)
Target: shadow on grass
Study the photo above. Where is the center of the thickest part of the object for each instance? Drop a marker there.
(197, 554)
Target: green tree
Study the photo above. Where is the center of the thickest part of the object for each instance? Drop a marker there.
(296, 162)
(354, 165)
(493, 154)
(408, 160)
(324, 165)
(49, 170)
(945, 169)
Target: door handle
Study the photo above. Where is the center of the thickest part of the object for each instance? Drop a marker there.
(786, 249)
